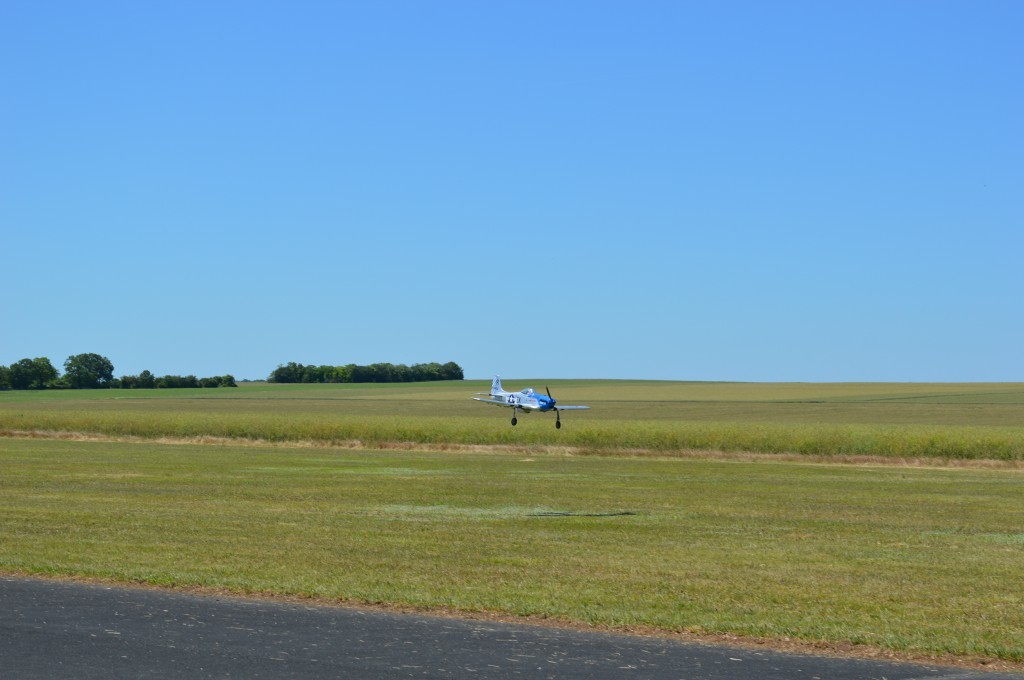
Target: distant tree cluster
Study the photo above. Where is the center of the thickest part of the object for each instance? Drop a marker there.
(374, 373)
(92, 371)
(28, 374)
(146, 380)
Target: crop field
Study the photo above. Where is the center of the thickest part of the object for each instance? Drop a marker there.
(958, 421)
(413, 495)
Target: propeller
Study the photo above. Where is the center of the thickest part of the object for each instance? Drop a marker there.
(558, 416)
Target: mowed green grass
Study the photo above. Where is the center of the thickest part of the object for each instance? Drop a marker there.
(918, 560)
(958, 421)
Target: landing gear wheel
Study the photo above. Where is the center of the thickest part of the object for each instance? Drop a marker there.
(558, 424)
(514, 421)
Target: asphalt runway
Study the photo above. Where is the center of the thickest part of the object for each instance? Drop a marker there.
(56, 629)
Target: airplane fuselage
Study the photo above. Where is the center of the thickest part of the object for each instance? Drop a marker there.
(527, 400)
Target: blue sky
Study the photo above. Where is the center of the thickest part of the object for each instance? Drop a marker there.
(798, 191)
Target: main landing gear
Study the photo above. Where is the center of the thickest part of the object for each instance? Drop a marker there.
(558, 421)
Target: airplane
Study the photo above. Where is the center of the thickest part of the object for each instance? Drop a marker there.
(526, 401)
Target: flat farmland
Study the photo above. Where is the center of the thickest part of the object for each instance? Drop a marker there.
(947, 421)
(628, 517)
(922, 562)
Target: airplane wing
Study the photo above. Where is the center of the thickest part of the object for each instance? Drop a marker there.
(571, 408)
(498, 401)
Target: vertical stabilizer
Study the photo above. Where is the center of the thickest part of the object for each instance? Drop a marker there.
(496, 385)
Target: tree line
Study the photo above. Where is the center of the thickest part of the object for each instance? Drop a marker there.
(92, 371)
(374, 373)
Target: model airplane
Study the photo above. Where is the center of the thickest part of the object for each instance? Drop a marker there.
(526, 401)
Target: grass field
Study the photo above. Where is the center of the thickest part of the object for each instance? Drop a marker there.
(962, 421)
(922, 560)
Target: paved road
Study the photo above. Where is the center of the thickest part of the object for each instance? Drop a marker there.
(68, 630)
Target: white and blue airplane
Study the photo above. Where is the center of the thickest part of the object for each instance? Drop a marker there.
(526, 401)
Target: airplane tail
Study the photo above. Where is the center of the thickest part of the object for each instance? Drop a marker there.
(496, 385)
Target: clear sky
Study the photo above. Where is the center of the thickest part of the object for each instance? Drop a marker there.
(804, 191)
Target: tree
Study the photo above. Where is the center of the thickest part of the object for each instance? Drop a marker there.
(317, 374)
(88, 371)
(382, 373)
(342, 374)
(431, 371)
(451, 371)
(146, 380)
(360, 374)
(20, 374)
(174, 381)
(5, 378)
(290, 373)
(32, 374)
(45, 373)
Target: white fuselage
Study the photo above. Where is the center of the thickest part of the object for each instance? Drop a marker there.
(527, 400)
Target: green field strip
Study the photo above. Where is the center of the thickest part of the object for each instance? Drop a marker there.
(913, 560)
